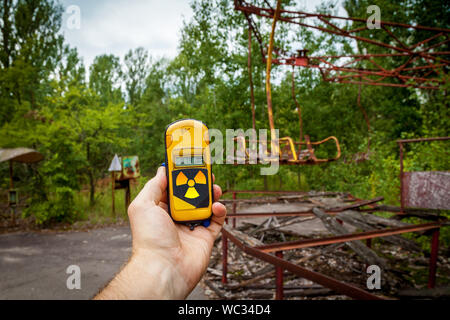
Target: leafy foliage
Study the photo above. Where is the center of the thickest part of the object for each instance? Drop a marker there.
(123, 106)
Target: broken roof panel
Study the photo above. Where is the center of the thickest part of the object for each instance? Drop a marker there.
(25, 155)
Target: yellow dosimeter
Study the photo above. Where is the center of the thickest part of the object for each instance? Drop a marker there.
(189, 172)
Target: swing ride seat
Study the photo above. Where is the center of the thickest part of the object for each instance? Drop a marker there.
(287, 151)
(307, 156)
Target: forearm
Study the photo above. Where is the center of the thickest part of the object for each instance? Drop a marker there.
(146, 276)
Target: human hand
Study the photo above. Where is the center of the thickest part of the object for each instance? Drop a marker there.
(168, 259)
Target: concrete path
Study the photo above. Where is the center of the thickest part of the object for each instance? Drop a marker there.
(33, 265)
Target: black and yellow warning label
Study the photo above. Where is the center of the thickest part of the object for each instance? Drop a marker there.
(190, 188)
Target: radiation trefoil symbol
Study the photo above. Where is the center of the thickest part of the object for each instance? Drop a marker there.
(191, 188)
(191, 192)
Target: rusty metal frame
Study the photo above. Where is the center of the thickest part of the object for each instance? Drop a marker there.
(264, 252)
(423, 59)
(300, 244)
(277, 261)
(307, 213)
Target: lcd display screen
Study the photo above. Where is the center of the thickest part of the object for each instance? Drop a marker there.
(186, 161)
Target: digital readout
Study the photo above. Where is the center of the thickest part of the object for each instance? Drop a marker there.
(189, 161)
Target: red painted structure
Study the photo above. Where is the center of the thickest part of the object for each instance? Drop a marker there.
(420, 64)
(265, 252)
(429, 190)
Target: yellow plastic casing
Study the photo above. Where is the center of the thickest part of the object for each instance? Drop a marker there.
(189, 188)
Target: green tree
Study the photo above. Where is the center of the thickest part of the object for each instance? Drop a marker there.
(136, 71)
(105, 76)
(29, 46)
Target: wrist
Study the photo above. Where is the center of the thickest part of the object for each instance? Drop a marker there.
(148, 276)
(158, 277)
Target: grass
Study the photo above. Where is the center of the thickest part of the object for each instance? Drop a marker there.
(101, 212)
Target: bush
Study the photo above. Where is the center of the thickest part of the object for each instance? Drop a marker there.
(58, 208)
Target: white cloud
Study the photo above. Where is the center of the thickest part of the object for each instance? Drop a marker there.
(114, 27)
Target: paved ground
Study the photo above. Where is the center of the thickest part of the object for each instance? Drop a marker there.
(33, 265)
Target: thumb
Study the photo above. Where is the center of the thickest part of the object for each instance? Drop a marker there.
(154, 189)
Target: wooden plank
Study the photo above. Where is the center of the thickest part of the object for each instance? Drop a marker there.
(243, 237)
(358, 220)
(357, 204)
(337, 229)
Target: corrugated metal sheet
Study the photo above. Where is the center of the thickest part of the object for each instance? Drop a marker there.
(25, 155)
(430, 189)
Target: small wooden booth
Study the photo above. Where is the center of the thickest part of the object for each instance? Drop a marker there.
(23, 155)
(123, 169)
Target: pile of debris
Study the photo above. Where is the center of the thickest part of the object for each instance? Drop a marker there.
(403, 263)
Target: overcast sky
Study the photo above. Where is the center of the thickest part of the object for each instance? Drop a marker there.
(115, 26)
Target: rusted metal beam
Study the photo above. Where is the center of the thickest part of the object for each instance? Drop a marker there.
(382, 84)
(234, 209)
(244, 6)
(345, 238)
(266, 192)
(341, 33)
(224, 258)
(402, 200)
(326, 281)
(418, 52)
(306, 213)
(275, 214)
(281, 198)
(423, 139)
(279, 278)
(373, 55)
